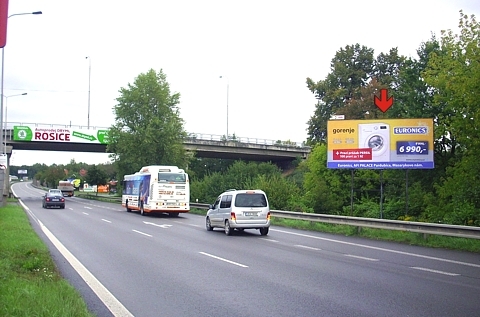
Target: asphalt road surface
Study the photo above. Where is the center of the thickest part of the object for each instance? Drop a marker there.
(125, 264)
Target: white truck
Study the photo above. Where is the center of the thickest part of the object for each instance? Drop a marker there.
(66, 187)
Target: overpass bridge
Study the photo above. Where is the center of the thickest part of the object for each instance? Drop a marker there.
(204, 145)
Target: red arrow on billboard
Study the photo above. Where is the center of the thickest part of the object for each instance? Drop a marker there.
(383, 103)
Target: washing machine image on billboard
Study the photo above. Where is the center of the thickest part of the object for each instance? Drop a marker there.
(377, 137)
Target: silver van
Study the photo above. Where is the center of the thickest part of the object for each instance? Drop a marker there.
(239, 209)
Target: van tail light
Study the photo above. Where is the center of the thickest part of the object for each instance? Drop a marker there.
(268, 216)
(48, 199)
(62, 200)
(233, 217)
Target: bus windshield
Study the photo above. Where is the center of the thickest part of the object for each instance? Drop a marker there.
(171, 177)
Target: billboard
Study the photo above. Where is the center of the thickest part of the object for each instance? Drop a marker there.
(50, 134)
(380, 144)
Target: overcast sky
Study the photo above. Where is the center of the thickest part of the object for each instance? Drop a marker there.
(263, 49)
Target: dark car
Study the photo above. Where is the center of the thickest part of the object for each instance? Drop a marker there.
(53, 199)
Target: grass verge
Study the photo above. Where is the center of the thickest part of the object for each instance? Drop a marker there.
(412, 238)
(30, 284)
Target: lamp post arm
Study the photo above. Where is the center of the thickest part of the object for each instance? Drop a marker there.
(35, 12)
(2, 77)
(89, 78)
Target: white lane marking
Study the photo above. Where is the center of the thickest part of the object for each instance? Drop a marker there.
(379, 249)
(110, 301)
(189, 224)
(30, 212)
(222, 259)
(270, 240)
(306, 247)
(87, 207)
(85, 213)
(157, 225)
(106, 220)
(145, 234)
(433, 271)
(361, 257)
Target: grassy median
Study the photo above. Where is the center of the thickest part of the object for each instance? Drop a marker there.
(30, 284)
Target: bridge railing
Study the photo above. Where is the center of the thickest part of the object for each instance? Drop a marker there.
(10, 125)
(248, 140)
(190, 135)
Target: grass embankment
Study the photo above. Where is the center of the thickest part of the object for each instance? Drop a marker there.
(30, 284)
(412, 238)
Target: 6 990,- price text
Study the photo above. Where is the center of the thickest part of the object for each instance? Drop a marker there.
(412, 147)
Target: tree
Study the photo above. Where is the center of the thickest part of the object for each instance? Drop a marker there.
(96, 176)
(249, 175)
(454, 74)
(199, 167)
(31, 170)
(362, 106)
(51, 176)
(387, 68)
(148, 129)
(350, 69)
(414, 99)
(349, 89)
(325, 189)
(109, 169)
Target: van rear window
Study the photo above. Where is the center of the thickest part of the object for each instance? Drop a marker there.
(250, 200)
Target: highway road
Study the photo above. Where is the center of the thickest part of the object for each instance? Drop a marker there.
(125, 264)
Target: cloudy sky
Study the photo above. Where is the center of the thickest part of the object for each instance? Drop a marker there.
(263, 49)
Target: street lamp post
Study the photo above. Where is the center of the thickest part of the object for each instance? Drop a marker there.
(227, 105)
(5, 120)
(3, 71)
(89, 77)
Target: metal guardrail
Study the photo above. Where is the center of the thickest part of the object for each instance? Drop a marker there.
(420, 227)
(110, 198)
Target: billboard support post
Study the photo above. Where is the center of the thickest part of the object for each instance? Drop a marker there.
(406, 192)
(381, 194)
(351, 196)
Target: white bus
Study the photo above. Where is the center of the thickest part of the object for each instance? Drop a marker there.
(157, 188)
